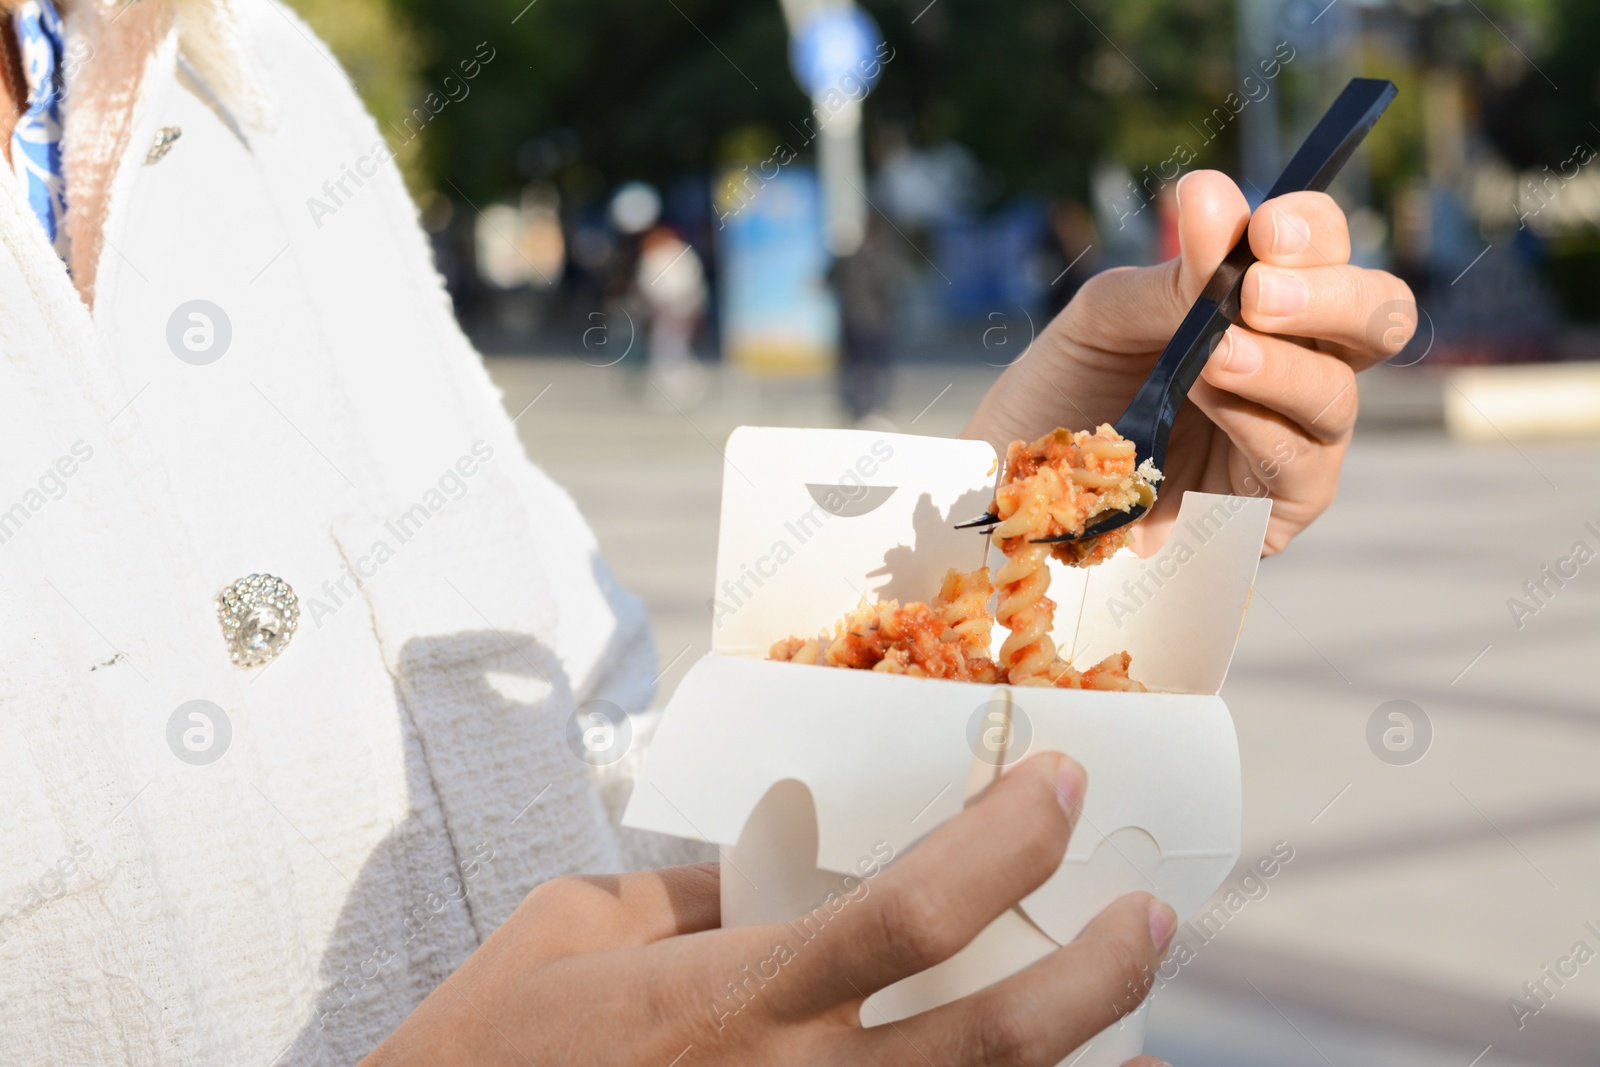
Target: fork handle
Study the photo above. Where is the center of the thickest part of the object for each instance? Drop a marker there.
(1149, 416)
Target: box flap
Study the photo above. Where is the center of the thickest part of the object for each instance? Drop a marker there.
(886, 757)
(1178, 613)
(813, 520)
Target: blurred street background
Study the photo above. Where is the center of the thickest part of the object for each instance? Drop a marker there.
(660, 219)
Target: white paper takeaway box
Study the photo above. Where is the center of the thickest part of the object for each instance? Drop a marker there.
(805, 774)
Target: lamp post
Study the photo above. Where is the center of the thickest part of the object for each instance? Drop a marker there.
(833, 39)
(1259, 148)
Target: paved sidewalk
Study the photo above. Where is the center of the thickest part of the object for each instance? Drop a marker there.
(1421, 897)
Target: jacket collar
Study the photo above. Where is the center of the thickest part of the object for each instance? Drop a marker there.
(115, 50)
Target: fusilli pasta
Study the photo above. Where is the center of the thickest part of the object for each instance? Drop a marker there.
(1059, 483)
(1054, 486)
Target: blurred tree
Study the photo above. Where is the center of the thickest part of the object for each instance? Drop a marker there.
(1539, 118)
(1040, 90)
(593, 92)
(589, 93)
(1537, 114)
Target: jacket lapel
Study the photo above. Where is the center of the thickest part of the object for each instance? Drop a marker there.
(117, 49)
(103, 97)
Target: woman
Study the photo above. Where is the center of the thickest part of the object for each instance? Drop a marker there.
(339, 826)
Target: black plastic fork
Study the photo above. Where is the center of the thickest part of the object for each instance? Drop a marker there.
(1148, 419)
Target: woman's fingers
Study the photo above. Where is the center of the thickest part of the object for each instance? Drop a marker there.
(942, 893)
(587, 913)
(636, 909)
(1103, 975)
(1301, 286)
(1314, 390)
(681, 900)
(1134, 310)
(1362, 312)
(1212, 214)
(1300, 230)
(1268, 455)
(1287, 412)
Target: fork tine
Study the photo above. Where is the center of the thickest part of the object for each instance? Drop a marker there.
(1095, 529)
(986, 519)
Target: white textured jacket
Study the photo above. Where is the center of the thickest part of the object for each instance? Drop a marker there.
(399, 778)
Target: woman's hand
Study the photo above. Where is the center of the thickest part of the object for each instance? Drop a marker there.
(633, 969)
(1273, 410)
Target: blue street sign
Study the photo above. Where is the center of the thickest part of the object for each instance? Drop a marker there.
(837, 50)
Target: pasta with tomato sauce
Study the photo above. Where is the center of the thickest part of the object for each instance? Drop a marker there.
(947, 639)
(1058, 485)
(1055, 485)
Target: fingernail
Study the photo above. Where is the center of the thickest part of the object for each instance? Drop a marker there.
(1071, 781)
(1290, 233)
(1177, 190)
(1281, 293)
(1243, 355)
(1163, 924)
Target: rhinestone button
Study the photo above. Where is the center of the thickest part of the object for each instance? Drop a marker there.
(258, 613)
(162, 144)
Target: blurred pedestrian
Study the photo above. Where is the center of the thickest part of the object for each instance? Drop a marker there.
(867, 283)
(624, 314)
(671, 280)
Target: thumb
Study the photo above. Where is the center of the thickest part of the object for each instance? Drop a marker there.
(1137, 309)
(1212, 216)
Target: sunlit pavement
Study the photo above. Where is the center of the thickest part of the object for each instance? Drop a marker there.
(1421, 897)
